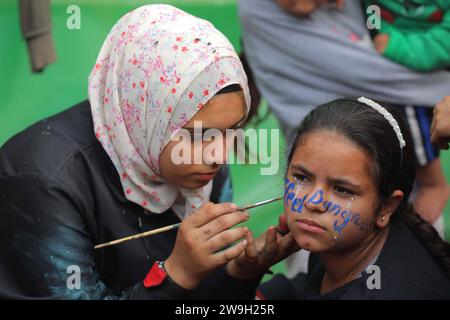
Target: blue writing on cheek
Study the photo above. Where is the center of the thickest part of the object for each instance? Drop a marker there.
(317, 197)
(346, 215)
(297, 201)
(336, 209)
(327, 205)
(288, 195)
(301, 203)
(286, 181)
(356, 219)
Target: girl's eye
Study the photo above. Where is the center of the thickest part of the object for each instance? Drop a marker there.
(343, 192)
(299, 178)
(195, 138)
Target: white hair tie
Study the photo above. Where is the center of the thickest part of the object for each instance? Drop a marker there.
(387, 115)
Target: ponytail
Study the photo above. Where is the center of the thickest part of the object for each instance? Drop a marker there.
(438, 248)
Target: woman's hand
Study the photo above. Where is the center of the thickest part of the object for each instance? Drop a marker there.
(200, 237)
(440, 127)
(303, 8)
(260, 254)
(381, 42)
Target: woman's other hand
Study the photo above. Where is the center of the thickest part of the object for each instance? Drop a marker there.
(261, 253)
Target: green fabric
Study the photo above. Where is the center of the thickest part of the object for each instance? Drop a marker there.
(414, 41)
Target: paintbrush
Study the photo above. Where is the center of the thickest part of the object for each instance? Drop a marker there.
(176, 225)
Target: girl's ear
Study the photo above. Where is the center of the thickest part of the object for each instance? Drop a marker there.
(388, 207)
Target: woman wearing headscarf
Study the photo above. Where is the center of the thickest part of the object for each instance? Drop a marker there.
(103, 170)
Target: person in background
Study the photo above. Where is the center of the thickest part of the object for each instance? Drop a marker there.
(416, 34)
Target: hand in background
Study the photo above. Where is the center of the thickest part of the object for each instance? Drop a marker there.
(381, 42)
(440, 127)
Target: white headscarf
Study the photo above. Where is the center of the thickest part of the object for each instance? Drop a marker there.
(157, 67)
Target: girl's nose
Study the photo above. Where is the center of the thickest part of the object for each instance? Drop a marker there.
(216, 152)
(314, 202)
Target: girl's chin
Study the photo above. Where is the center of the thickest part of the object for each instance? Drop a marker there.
(190, 183)
(312, 243)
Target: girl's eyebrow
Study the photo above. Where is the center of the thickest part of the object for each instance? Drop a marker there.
(336, 181)
(344, 182)
(192, 129)
(234, 126)
(302, 168)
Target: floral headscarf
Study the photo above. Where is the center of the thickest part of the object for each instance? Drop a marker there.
(157, 67)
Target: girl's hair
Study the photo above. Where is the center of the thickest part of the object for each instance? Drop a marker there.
(394, 167)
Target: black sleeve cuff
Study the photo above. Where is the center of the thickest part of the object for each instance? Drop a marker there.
(168, 290)
(282, 288)
(219, 285)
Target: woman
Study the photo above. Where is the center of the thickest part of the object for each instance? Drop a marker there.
(349, 177)
(103, 170)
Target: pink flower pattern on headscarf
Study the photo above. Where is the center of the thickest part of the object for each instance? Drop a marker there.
(157, 67)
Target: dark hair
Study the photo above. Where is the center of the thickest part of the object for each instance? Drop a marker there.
(230, 88)
(254, 117)
(250, 115)
(394, 167)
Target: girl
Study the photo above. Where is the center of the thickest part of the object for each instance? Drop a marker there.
(307, 76)
(350, 174)
(103, 170)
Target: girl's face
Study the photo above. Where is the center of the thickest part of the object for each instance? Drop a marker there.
(331, 200)
(223, 111)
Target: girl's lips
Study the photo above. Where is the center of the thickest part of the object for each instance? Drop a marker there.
(206, 176)
(310, 226)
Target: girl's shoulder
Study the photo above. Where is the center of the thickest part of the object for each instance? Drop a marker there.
(404, 270)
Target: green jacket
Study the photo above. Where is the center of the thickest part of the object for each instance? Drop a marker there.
(419, 32)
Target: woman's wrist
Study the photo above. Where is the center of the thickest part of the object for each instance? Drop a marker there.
(237, 271)
(180, 277)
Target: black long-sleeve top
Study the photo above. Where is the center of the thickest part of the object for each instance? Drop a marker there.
(406, 271)
(60, 195)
